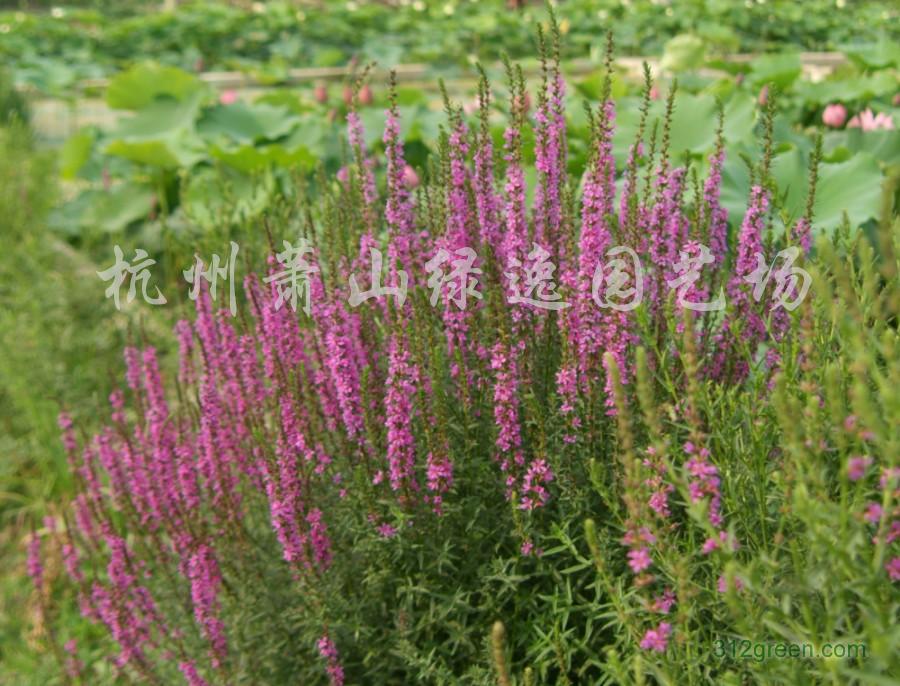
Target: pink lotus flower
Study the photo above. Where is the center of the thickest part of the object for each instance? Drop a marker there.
(869, 121)
(410, 178)
(834, 115)
(228, 97)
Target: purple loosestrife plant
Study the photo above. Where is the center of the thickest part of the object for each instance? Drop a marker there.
(356, 495)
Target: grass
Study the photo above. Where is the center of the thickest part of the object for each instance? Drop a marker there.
(61, 346)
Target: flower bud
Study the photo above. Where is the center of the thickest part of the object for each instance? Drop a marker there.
(498, 639)
(834, 115)
(590, 535)
(410, 178)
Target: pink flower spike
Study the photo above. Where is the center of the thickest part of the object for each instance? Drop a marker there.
(329, 652)
(206, 583)
(33, 564)
(189, 670)
(873, 513)
(888, 475)
(664, 602)
(893, 569)
(857, 466)
(657, 639)
(894, 533)
(722, 585)
(387, 531)
(228, 97)
(710, 545)
(399, 410)
(646, 535)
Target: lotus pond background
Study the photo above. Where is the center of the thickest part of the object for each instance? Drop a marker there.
(119, 127)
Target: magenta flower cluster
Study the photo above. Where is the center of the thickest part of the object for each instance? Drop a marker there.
(291, 417)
